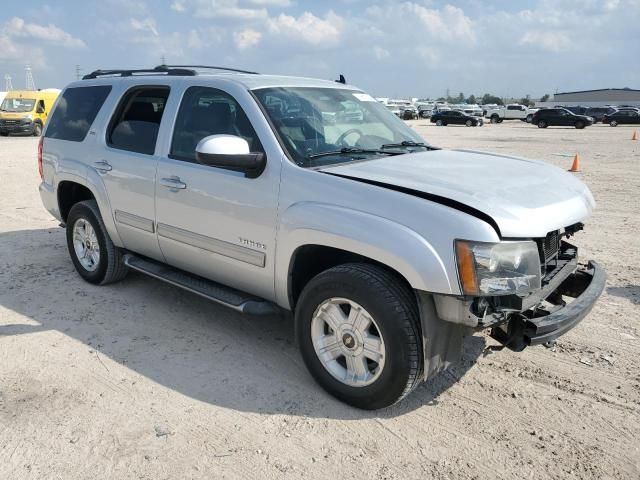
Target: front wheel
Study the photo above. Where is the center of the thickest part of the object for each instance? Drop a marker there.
(439, 123)
(495, 118)
(37, 129)
(468, 123)
(613, 123)
(529, 118)
(357, 326)
(580, 125)
(94, 255)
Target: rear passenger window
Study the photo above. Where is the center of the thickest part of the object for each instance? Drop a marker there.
(208, 111)
(134, 126)
(75, 112)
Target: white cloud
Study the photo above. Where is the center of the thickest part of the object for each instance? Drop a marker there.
(308, 27)
(547, 40)
(381, 53)
(220, 9)
(17, 27)
(246, 38)
(272, 3)
(144, 25)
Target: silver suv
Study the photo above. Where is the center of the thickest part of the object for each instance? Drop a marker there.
(245, 189)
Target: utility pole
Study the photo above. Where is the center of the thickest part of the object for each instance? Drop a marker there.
(29, 83)
(163, 60)
(78, 72)
(7, 82)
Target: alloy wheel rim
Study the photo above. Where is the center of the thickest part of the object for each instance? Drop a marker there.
(348, 342)
(85, 245)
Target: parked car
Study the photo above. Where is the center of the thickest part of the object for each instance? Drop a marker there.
(234, 187)
(512, 111)
(26, 111)
(455, 117)
(425, 111)
(395, 109)
(551, 117)
(408, 112)
(530, 112)
(622, 117)
(576, 109)
(598, 113)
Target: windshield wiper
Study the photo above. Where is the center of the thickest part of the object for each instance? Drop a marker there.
(351, 150)
(406, 143)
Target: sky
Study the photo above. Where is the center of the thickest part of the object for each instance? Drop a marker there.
(510, 48)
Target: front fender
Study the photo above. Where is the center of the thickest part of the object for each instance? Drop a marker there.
(381, 239)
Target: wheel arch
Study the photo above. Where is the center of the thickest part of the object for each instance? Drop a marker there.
(71, 190)
(313, 236)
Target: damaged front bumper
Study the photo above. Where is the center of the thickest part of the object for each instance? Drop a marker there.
(568, 294)
(541, 325)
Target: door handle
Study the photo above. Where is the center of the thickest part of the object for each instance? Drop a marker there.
(173, 183)
(103, 166)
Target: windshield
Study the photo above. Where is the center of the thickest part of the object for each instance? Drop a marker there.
(326, 126)
(17, 104)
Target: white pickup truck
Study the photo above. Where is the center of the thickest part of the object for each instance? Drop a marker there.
(512, 111)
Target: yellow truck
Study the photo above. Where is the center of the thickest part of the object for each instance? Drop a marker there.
(26, 111)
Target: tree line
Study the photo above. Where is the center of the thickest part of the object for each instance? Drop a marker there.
(487, 99)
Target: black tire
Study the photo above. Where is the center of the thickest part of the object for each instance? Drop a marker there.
(495, 119)
(613, 123)
(580, 125)
(529, 118)
(542, 124)
(111, 267)
(468, 123)
(439, 123)
(4, 134)
(500, 120)
(37, 129)
(393, 307)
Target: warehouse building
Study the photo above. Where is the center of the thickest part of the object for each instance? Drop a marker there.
(596, 98)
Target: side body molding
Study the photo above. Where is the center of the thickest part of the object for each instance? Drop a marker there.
(400, 248)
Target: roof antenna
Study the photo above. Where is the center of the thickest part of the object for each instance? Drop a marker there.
(341, 80)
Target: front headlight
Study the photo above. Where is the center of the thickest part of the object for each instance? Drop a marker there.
(497, 268)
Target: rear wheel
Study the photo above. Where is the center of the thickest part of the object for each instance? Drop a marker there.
(468, 123)
(94, 255)
(613, 123)
(358, 330)
(495, 119)
(439, 123)
(542, 124)
(580, 125)
(529, 118)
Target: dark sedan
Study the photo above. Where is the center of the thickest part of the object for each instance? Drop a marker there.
(551, 117)
(454, 117)
(598, 113)
(622, 117)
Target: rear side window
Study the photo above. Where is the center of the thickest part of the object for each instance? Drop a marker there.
(135, 125)
(75, 112)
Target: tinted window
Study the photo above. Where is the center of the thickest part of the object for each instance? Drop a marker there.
(75, 112)
(513, 107)
(207, 111)
(134, 126)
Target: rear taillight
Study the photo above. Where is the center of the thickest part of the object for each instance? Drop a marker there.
(40, 169)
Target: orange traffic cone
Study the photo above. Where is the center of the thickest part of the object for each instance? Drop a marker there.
(635, 135)
(575, 166)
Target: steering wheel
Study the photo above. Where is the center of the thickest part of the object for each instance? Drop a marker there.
(340, 139)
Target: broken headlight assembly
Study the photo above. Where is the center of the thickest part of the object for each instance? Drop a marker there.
(504, 268)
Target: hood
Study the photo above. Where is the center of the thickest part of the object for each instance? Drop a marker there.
(523, 198)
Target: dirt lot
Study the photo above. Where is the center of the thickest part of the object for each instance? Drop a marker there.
(142, 380)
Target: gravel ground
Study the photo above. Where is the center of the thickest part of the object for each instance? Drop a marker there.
(142, 380)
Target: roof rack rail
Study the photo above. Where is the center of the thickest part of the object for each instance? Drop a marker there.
(128, 73)
(213, 67)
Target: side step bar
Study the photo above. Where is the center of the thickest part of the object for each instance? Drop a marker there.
(229, 297)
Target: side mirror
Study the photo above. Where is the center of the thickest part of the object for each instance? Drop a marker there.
(232, 153)
(39, 109)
